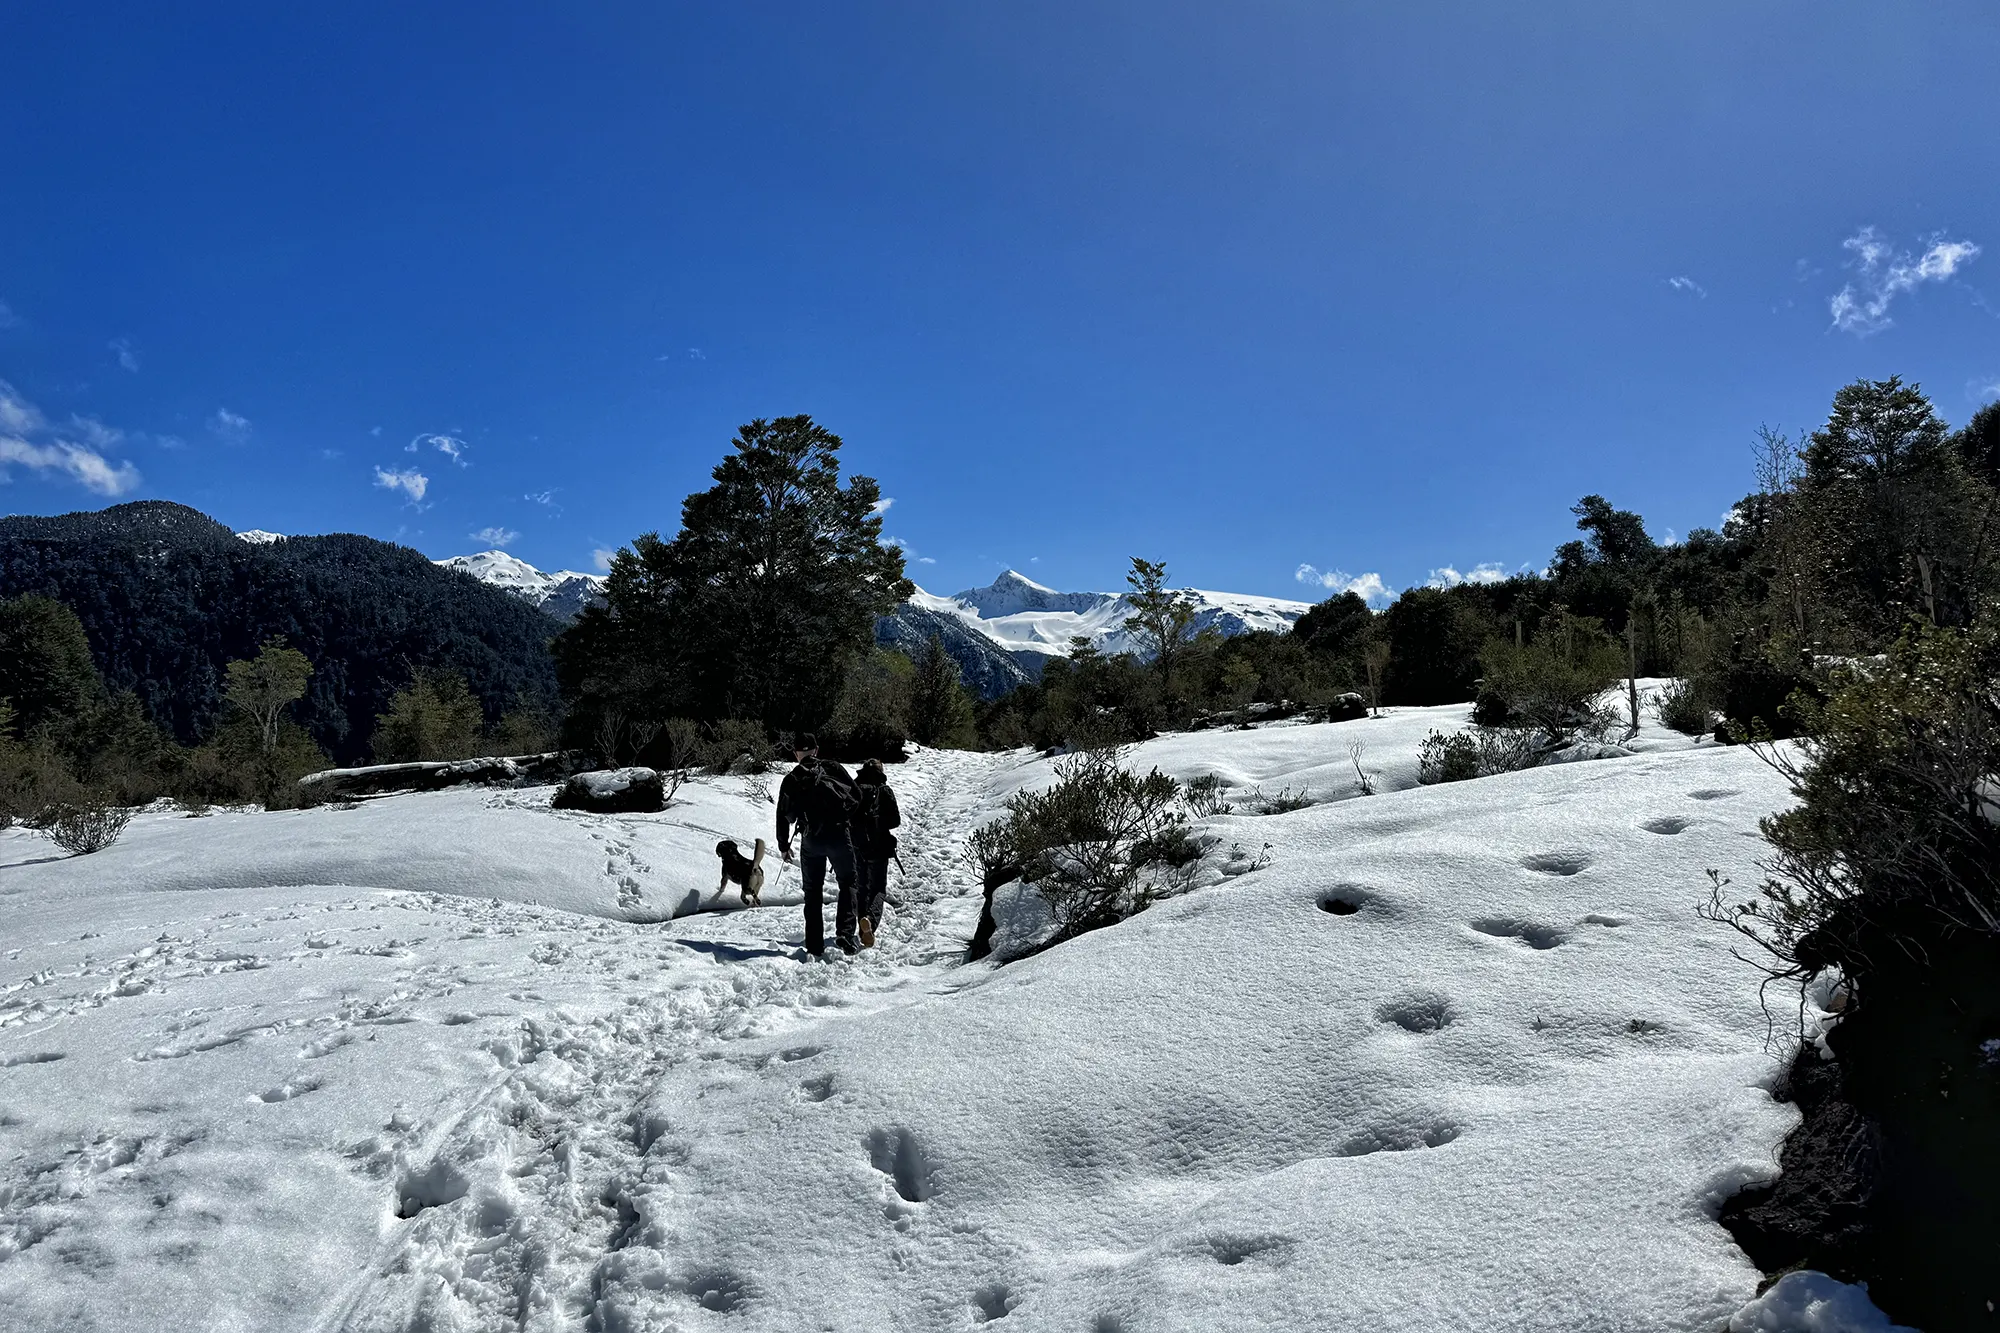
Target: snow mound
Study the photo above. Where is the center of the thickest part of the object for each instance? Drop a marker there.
(1810, 1302)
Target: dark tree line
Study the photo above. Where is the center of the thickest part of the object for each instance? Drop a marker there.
(167, 597)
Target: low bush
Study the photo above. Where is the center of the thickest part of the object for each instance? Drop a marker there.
(1205, 796)
(83, 829)
(1482, 752)
(1099, 845)
(1552, 684)
(1282, 802)
(1683, 706)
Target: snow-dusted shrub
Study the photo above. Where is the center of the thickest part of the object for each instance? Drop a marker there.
(1683, 707)
(1447, 757)
(1205, 796)
(83, 829)
(1482, 752)
(1100, 844)
(1282, 802)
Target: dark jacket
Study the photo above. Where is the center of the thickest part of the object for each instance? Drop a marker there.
(873, 840)
(794, 795)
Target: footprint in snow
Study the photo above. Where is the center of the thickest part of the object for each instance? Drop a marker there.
(1568, 862)
(1666, 824)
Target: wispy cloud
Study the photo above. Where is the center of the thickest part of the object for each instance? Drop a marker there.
(71, 452)
(449, 445)
(601, 557)
(409, 481)
(497, 537)
(1368, 587)
(881, 506)
(1492, 571)
(1687, 284)
(127, 357)
(229, 427)
(1882, 273)
(8, 319)
(1981, 391)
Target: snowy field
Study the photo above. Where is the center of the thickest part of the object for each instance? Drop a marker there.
(455, 1061)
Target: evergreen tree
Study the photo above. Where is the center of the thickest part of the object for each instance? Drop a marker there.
(46, 671)
(940, 712)
(759, 604)
(1162, 618)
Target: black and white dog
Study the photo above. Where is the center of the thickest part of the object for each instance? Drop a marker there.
(746, 872)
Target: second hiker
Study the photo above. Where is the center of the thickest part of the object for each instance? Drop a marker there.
(874, 844)
(820, 798)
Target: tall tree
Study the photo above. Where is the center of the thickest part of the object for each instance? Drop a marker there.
(1162, 618)
(759, 604)
(46, 671)
(433, 717)
(940, 712)
(266, 685)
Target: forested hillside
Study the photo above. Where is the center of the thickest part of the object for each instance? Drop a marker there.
(168, 597)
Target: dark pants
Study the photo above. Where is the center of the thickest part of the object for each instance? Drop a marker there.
(874, 872)
(815, 851)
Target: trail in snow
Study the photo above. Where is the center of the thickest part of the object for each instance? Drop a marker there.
(549, 1155)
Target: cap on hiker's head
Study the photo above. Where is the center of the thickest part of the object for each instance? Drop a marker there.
(806, 741)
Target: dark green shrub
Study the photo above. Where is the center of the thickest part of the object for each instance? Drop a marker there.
(1101, 843)
(1447, 757)
(1683, 707)
(83, 829)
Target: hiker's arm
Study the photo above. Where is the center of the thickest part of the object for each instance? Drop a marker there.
(894, 817)
(786, 816)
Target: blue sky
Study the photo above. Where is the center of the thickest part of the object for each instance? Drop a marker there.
(1267, 291)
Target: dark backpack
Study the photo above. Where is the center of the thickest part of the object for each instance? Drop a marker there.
(869, 817)
(830, 801)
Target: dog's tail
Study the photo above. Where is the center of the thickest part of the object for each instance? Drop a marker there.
(758, 859)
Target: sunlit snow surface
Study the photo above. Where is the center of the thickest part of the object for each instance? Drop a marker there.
(443, 1062)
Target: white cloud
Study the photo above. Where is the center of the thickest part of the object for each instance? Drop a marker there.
(1368, 587)
(601, 557)
(497, 537)
(1686, 284)
(8, 319)
(1882, 274)
(126, 356)
(409, 481)
(881, 506)
(547, 499)
(57, 451)
(229, 427)
(1981, 391)
(87, 468)
(18, 416)
(1492, 571)
(449, 445)
(925, 560)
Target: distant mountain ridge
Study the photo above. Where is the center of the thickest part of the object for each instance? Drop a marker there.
(1024, 618)
(168, 597)
(1000, 635)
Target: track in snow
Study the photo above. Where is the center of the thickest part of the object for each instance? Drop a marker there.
(513, 1213)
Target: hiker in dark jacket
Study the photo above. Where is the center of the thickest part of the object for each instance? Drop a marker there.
(819, 797)
(874, 844)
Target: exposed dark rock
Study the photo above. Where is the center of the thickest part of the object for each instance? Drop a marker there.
(986, 668)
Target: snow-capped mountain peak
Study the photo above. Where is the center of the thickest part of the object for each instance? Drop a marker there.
(1021, 616)
(259, 537)
(563, 594)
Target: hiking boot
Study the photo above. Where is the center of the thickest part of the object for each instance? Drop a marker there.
(867, 933)
(848, 944)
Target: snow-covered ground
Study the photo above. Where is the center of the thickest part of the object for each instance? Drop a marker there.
(456, 1061)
